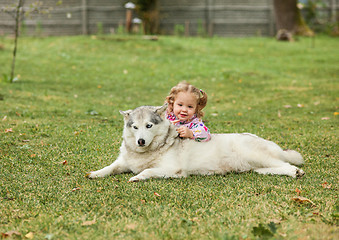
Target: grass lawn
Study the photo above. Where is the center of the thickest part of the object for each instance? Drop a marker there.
(61, 120)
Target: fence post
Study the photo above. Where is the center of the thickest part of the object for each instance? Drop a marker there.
(84, 21)
(333, 11)
(187, 28)
(271, 19)
(209, 17)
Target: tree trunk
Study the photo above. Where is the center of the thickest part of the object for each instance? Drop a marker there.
(149, 12)
(285, 14)
(289, 18)
(16, 36)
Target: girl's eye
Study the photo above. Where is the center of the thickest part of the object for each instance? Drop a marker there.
(180, 105)
(135, 127)
(190, 106)
(149, 125)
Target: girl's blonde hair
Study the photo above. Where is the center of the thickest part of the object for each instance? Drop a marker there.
(186, 87)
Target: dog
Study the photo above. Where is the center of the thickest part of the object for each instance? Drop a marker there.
(151, 148)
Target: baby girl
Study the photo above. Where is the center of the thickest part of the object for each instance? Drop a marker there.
(185, 104)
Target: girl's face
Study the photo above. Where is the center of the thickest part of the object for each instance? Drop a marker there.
(184, 106)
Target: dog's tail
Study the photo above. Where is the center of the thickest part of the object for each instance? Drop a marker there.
(293, 157)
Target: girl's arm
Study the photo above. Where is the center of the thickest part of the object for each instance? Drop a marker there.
(200, 132)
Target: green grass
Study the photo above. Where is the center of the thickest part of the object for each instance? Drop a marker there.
(65, 108)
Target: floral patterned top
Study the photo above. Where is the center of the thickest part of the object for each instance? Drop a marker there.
(200, 131)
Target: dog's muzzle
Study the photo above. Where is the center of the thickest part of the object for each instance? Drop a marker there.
(141, 142)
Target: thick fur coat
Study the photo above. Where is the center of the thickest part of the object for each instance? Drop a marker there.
(151, 148)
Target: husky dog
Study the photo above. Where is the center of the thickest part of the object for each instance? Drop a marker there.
(151, 148)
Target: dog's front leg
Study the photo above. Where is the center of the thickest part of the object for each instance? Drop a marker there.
(158, 173)
(117, 167)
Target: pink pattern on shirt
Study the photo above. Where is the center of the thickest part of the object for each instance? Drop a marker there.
(200, 132)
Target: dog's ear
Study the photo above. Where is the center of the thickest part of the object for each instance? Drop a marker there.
(125, 113)
(161, 110)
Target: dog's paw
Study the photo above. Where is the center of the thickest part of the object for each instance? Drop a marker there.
(299, 173)
(89, 175)
(92, 175)
(136, 178)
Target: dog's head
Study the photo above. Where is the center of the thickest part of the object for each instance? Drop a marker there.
(144, 126)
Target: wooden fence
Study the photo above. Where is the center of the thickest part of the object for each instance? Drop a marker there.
(190, 17)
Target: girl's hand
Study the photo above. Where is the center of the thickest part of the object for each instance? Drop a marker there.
(175, 121)
(185, 132)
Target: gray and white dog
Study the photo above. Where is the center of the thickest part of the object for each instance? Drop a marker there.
(151, 148)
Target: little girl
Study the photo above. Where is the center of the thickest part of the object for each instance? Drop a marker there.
(185, 104)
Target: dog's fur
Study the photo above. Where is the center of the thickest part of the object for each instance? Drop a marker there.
(151, 148)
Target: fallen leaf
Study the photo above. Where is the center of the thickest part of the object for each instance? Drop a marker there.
(8, 130)
(10, 233)
(89, 223)
(336, 113)
(264, 232)
(49, 236)
(287, 106)
(64, 162)
(302, 200)
(131, 226)
(29, 235)
(300, 105)
(298, 191)
(239, 114)
(279, 114)
(326, 185)
(157, 194)
(5, 118)
(75, 189)
(325, 118)
(32, 155)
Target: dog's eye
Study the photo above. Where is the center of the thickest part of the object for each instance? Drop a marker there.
(135, 127)
(149, 125)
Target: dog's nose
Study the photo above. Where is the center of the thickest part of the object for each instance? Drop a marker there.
(141, 142)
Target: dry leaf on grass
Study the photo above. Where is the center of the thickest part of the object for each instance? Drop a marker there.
(9, 130)
(29, 235)
(75, 189)
(131, 226)
(157, 194)
(326, 185)
(302, 200)
(89, 223)
(298, 191)
(10, 234)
